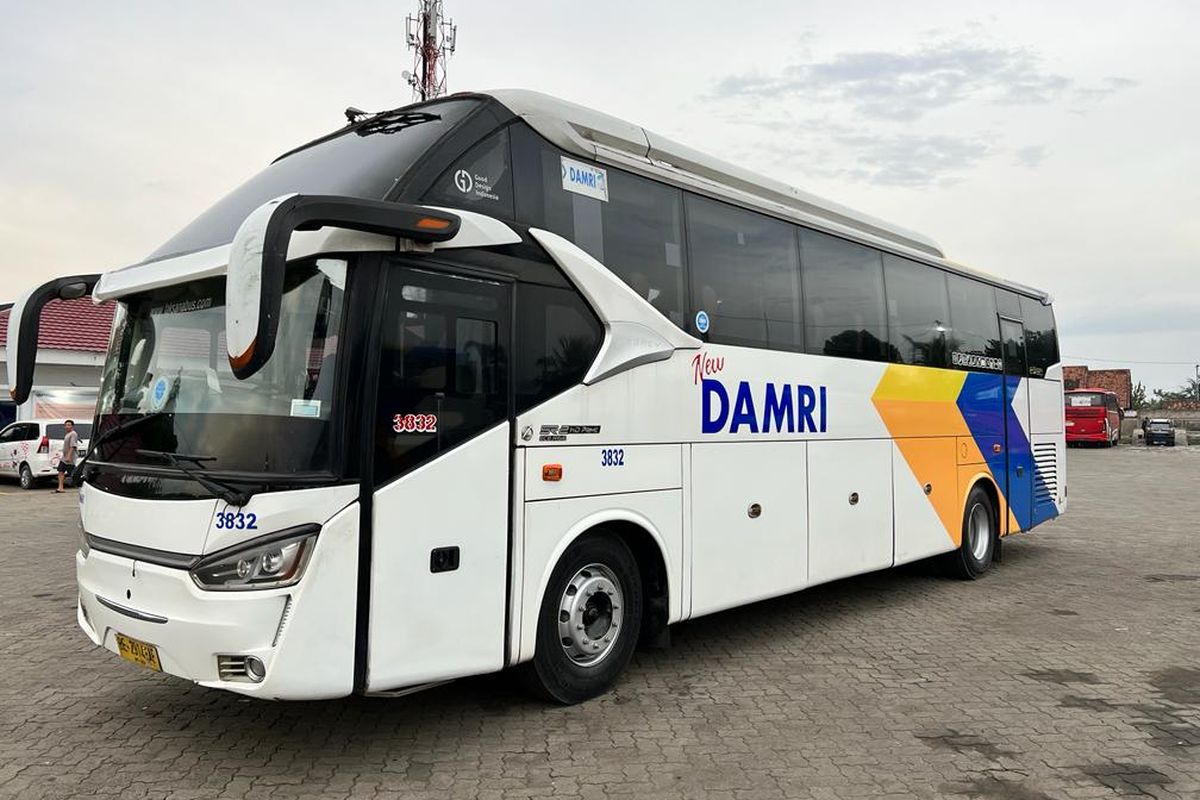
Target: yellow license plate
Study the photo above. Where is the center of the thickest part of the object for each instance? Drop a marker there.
(140, 653)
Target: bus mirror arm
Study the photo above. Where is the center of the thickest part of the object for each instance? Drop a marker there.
(24, 322)
(258, 259)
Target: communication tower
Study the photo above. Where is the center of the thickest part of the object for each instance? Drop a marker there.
(431, 38)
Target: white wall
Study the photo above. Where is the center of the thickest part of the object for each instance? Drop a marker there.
(56, 370)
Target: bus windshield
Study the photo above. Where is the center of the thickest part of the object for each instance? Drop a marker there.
(366, 160)
(1084, 400)
(167, 360)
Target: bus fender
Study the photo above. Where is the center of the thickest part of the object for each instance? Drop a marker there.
(532, 604)
(968, 481)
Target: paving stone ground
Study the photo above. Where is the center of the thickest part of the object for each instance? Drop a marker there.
(1070, 671)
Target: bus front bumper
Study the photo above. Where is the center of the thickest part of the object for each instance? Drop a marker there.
(303, 635)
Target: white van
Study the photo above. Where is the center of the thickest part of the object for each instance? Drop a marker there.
(31, 449)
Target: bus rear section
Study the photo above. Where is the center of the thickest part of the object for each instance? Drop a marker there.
(1092, 417)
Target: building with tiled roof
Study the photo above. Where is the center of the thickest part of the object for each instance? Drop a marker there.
(1117, 381)
(72, 340)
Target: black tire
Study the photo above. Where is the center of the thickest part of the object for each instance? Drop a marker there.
(973, 556)
(27, 479)
(559, 672)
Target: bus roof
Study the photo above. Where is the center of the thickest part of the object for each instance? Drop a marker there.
(608, 139)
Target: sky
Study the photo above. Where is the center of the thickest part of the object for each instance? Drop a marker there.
(1053, 144)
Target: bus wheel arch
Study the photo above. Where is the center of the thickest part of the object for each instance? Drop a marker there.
(652, 565)
(979, 546)
(630, 553)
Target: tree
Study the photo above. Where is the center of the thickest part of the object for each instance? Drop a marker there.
(1162, 396)
(1191, 388)
(1138, 399)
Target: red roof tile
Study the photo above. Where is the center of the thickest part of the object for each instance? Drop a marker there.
(1117, 381)
(70, 325)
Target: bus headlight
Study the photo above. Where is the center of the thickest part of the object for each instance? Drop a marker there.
(273, 563)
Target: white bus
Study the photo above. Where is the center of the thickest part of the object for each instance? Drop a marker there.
(498, 380)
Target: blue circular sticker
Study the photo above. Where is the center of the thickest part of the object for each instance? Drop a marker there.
(158, 394)
(702, 321)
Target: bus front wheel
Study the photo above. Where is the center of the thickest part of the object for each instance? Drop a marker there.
(974, 555)
(589, 621)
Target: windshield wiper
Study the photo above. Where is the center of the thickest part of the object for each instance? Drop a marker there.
(230, 494)
(108, 436)
(394, 121)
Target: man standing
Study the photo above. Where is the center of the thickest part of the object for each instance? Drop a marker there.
(67, 462)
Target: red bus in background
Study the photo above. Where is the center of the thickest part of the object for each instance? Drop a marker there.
(1093, 415)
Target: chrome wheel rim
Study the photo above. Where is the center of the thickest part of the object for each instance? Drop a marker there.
(979, 531)
(590, 614)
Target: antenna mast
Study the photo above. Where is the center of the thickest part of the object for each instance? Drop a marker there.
(431, 38)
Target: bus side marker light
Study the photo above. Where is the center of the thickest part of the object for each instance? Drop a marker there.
(433, 224)
(552, 472)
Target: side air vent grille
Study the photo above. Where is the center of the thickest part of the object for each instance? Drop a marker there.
(232, 668)
(1045, 484)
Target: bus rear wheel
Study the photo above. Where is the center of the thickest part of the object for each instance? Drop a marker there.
(979, 532)
(589, 621)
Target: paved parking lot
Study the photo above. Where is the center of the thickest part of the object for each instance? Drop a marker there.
(1071, 671)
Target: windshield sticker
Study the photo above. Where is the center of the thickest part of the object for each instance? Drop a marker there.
(415, 423)
(584, 179)
(183, 306)
(976, 361)
(159, 393)
(306, 408)
(702, 321)
(475, 185)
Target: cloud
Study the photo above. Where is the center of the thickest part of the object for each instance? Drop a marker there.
(911, 160)
(888, 97)
(827, 148)
(1031, 156)
(905, 85)
(1087, 96)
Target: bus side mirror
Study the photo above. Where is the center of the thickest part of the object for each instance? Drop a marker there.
(24, 321)
(258, 259)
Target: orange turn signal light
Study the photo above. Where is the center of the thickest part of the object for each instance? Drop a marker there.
(433, 224)
(552, 472)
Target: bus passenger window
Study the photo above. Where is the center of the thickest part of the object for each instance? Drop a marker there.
(558, 337)
(745, 275)
(844, 313)
(918, 312)
(637, 232)
(1041, 339)
(1008, 303)
(976, 326)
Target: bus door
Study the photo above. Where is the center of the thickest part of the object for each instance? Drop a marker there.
(1018, 456)
(442, 452)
